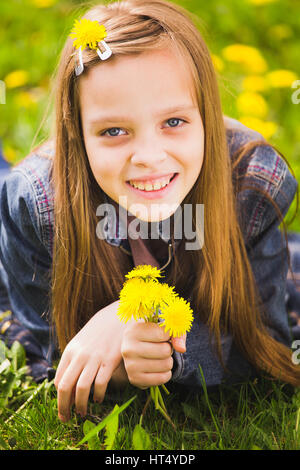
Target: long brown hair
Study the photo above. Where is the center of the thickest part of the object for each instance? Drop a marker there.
(87, 272)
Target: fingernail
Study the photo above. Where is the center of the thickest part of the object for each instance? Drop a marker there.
(63, 418)
(98, 400)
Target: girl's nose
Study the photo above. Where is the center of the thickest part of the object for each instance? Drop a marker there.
(148, 153)
(154, 160)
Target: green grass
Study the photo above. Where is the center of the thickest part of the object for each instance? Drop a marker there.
(261, 415)
(258, 414)
(251, 416)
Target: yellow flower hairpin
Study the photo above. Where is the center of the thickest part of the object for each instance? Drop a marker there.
(88, 33)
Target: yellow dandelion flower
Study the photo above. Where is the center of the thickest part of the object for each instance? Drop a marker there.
(177, 317)
(254, 83)
(218, 62)
(11, 154)
(280, 31)
(252, 104)
(17, 78)
(266, 128)
(281, 78)
(87, 33)
(247, 56)
(160, 294)
(261, 2)
(144, 271)
(43, 3)
(135, 301)
(24, 99)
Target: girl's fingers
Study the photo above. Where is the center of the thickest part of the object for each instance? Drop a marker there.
(65, 392)
(145, 373)
(72, 401)
(62, 366)
(83, 387)
(179, 344)
(150, 366)
(101, 381)
(147, 350)
(148, 332)
(149, 379)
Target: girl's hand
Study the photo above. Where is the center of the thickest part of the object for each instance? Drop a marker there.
(91, 356)
(147, 354)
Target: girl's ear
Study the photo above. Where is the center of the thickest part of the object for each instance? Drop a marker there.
(179, 343)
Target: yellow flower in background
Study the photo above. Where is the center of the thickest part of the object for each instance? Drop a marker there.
(281, 78)
(252, 104)
(254, 83)
(29, 98)
(16, 79)
(43, 3)
(145, 271)
(10, 154)
(87, 33)
(218, 62)
(261, 2)
(24, 99)
(177, 317)
(247, 56)
(280, 31)
(266, 128)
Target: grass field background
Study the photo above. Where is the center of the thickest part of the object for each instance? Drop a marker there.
(255, 47)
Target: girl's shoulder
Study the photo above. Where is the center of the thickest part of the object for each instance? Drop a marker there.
(36, 169)
(262, 177)
(237, 135)
(28, 185)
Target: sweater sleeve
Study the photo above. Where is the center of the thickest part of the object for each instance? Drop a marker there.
(25, 259)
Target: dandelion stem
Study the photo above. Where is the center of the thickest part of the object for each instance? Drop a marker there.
(161, 401)
(156, 397)
(167, 417)
(145, 408)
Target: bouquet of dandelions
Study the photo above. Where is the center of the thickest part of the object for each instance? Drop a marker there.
(144, 297)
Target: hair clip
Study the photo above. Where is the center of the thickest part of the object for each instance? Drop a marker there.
(88, 33)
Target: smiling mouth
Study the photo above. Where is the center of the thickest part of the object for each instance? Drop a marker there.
(152, 187)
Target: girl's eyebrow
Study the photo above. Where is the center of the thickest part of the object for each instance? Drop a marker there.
(118, 118)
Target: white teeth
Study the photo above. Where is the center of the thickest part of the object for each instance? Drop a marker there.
(150, 187)
(156, 186)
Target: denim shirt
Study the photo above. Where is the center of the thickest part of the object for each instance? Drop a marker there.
(26, 247)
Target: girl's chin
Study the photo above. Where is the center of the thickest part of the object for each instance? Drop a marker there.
(153, 212)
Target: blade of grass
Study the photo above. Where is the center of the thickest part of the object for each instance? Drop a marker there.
(209, 406)
(104, 422)
(36, 391)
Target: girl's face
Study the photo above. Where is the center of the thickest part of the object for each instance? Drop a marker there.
(143, 131)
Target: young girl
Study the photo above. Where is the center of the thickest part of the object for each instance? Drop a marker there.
(137, 129)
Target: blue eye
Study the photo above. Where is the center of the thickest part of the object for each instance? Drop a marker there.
(114, 131)
(111, 132)
(174, 121)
